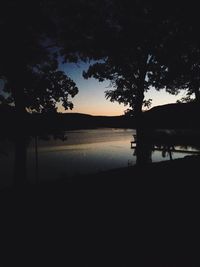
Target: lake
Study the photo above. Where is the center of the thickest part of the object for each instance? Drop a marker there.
(83, 152)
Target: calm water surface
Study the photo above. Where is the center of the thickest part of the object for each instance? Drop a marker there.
(84, 151)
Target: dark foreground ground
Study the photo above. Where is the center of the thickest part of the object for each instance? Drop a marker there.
(136, 216)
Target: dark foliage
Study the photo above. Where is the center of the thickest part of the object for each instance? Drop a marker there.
(173, 116)
(28, 66)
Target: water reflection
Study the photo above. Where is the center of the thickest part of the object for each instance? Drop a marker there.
(86, 151)
(82, 152)
(86, 155)
(172, 144)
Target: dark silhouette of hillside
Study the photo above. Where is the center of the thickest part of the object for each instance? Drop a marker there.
(52, 122)
(78, 120)
(174, 116)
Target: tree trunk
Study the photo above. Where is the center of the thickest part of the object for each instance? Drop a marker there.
(143, 149)
(20, 172)
(143, 146)
(197, 94)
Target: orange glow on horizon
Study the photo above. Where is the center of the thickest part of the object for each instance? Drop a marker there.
(101, 109)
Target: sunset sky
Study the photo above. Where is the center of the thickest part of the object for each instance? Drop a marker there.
(91, 98)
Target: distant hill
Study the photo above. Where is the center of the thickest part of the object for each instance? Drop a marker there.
(59, 121)
(166, 116)
(181, 115)
(70, 121)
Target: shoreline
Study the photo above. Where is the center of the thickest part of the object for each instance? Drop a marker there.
(139, 215)
(167, 169)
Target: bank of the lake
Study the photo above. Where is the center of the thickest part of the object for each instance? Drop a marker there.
(146, 216)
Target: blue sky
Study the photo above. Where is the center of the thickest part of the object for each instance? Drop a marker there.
(91, 98)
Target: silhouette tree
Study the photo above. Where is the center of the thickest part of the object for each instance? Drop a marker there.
(148, 44)
(178, 62)
(44, 87)
(152, 44)
(135, 38)
(182, 73)
(128, 59)
(29, 66)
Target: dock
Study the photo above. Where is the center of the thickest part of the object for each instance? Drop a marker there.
(168, 149)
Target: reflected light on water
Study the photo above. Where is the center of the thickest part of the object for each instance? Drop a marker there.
(84, 152)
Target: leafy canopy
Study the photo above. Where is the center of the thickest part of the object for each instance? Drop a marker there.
(135, 37)
(28, 64)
